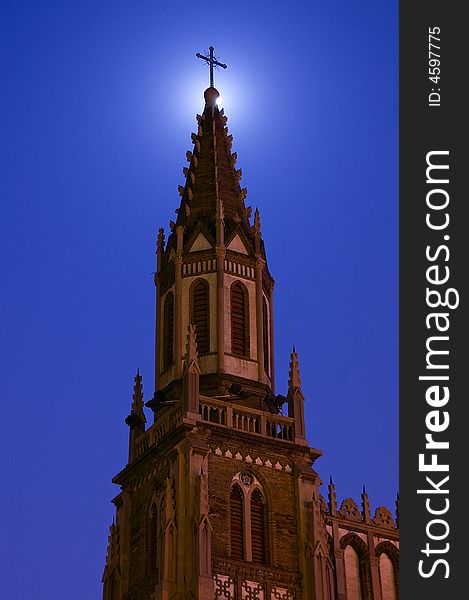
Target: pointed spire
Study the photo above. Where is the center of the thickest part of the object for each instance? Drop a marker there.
(365, 506)
(257, 221)
(211, 192)
(332, 497)
(397, 509)
(137, 397)
(136, 419)
(294, 380)
(159, 248)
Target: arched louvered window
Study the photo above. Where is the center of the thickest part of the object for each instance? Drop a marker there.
(168, 331)
(239, 320)
(258, 537)
(265, 335)
(154, 538)
(236, 523)
(200, 314)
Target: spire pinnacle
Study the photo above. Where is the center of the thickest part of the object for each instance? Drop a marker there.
(365, 506)
(294, 380)
(332, 497)
(257, 222)
(137, 397)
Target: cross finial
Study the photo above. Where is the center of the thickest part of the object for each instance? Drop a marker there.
(211, 61)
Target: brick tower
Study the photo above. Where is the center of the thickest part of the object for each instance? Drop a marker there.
(219, 498)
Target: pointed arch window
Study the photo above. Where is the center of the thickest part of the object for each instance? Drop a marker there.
(200, 314)
(248, 520)
(237, 522)
(265, 335)
(258, 546)
(168, 331)
(239, 320)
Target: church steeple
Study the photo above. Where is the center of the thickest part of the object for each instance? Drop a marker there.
(211, 180)
(219, 497)
(213, 272)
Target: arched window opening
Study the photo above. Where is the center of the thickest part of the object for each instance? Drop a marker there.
(200, 314)
(265, 335)
(239, 320)
(236, 523)
(386, 573)
(352, 574)
(258, 537)
(168, 331)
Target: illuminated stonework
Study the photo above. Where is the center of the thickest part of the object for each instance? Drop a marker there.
(219, 498)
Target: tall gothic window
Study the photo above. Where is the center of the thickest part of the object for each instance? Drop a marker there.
(168, 331)
(200, 314)
(237, 523)
(239, 320)
(248, 528)
(265, 335)
(258, 546)
(352, 574)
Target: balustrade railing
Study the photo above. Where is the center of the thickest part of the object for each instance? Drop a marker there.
(227, 415)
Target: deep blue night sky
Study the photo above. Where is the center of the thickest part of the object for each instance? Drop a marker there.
(98, 100)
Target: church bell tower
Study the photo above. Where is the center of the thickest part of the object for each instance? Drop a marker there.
(218, 498)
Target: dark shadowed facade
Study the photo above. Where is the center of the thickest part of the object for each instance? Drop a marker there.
(219, 498)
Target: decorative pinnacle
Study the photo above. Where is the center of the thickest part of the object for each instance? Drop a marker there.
(257, 221)
(365, 506)
(211, 61)
(160, 239)
(332, 497)
(294, 380)
(137, 404)
(191, 345)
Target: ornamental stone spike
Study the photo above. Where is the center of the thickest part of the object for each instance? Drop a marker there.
(137, 397)
(294, 380)
(257, 222)
(136, 419)
(332, 497)
(296, 400)
(366, 506)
